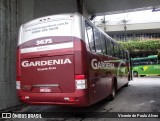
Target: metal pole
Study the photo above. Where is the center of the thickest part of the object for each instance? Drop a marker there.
(125, 29)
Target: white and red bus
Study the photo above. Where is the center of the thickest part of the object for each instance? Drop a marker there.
(65, 60)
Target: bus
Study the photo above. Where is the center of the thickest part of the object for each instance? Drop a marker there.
(146, 66)
(64, 59)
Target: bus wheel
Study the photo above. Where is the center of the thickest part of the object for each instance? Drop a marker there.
(113, 93)
(142, 75)
(135, 74)
(126, 85)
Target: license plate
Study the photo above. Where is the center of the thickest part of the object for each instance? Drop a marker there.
(45, 89)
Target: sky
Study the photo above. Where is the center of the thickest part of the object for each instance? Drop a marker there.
(145, 16)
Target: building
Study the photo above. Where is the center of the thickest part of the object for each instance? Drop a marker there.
(140, 25)
(132, 26)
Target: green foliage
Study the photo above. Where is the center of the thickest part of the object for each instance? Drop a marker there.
(141, 45)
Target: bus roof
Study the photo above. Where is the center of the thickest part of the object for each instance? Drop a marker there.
(142, 58)
(152, 56)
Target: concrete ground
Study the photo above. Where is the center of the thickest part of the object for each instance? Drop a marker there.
(141, 95)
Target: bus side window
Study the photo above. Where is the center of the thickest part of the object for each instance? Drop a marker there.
(87, 40)
(104, 48)
(116, 50)
(121, 53)
(89, 31)
(144, 62)
(127, 56)
(109, 46)
(135, 62)
(153, 61)
(113, 49)
(97, 37)
(124, 54)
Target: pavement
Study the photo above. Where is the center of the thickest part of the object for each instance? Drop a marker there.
(141, 95)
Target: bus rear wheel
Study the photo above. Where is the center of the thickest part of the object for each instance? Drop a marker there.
(113, 93)
(135, 74)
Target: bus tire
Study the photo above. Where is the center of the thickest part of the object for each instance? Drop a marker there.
(135, 74)
(142, 75)
(113, 92)
(126, 85)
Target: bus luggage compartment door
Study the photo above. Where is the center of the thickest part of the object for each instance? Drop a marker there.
(48, 74)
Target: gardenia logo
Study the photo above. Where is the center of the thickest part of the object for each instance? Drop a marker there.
(101, 64)
(44, 63)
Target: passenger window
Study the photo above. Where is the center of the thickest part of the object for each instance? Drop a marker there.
(87, 40)
(121, 53)
(117, 52)
(109, 47)
(153, 61)
(127, 56)
(97, 37)
(113, 49)
(104, 48)
(144, 62)
(124, 54)
(89, 30)
(135, 62)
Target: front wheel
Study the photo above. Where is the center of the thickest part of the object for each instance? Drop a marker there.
(135, 74)
(142, 75)
(126, 85)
